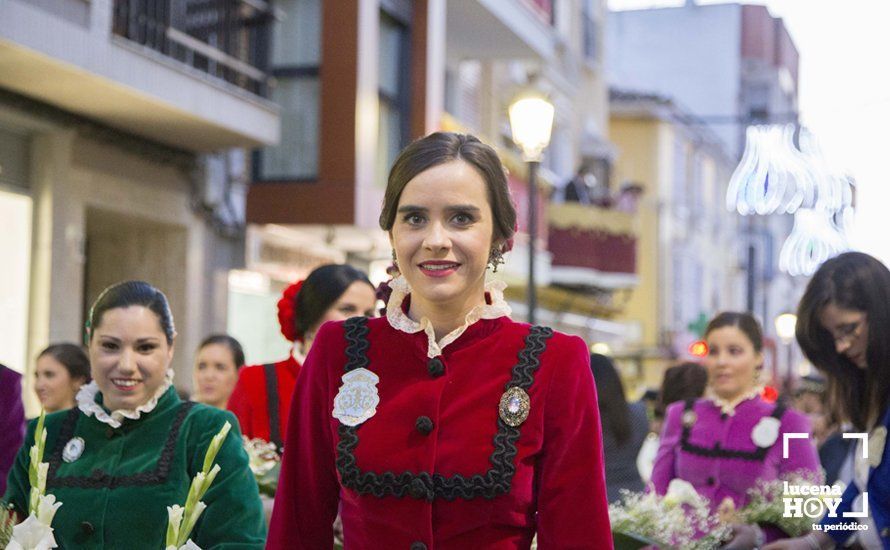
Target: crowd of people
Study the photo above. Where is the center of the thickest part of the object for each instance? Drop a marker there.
(444, 423)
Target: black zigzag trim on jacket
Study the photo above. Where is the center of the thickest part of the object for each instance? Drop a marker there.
(719, 452)
(424, 485)
(99, 479)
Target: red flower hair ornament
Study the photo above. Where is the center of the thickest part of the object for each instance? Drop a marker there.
(287, 312)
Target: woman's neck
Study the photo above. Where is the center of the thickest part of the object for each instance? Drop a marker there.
(735, 398)
(444, 317)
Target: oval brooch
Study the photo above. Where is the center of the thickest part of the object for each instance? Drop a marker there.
(357, 399)
(73, 449)
(514, 406)
(689, 418)
(766, 432)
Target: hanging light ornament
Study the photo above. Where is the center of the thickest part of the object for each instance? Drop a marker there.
(814, 239)
(775, 177)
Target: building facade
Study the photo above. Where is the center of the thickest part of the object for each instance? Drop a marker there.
(124, 127)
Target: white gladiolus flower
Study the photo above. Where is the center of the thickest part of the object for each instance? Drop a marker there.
(42, 472)
(32, 534)
(46, 509)
(174, 514)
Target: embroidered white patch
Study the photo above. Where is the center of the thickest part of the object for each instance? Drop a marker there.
(357, 399)
(73, 449)
(876, 442)
(766, 432)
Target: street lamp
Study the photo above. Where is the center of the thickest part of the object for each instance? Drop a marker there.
(531, 121)
(786, 324)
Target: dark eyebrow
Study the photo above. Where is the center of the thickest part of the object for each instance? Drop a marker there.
(146, 340)
(453, 208)
(463, 208)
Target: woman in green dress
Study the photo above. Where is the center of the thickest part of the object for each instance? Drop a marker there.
(131, 447)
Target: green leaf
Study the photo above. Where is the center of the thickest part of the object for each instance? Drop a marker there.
(630, 541)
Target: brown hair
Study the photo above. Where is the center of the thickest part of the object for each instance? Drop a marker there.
(681, 382)
(443, 147)
(72, 357)
(742, 321)
(859, 282)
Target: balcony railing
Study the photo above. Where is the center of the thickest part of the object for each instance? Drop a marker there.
(227, 39)
(592, 246)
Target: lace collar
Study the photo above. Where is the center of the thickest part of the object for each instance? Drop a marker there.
(399, 320)
(729, 406)
(86, 402)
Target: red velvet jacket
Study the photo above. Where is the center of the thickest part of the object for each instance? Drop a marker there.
(250, 403)
(435, 467)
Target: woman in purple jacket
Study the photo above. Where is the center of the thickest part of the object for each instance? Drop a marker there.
(725, 442)
(12, 420)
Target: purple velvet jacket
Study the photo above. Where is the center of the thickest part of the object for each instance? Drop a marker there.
(12, 421)
(716, 452)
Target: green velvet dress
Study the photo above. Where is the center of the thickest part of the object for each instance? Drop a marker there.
(115, 494)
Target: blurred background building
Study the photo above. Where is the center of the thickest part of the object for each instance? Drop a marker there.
(729, 66)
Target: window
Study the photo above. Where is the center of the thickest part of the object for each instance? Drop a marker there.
(393, 129)
(295, 62)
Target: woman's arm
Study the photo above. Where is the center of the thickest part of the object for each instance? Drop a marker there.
(573, 511)
(665, 468)
(802, 455)
(308, 490)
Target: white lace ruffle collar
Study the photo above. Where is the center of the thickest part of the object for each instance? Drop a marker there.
(729, 406)
(400, 321)
(86, 402)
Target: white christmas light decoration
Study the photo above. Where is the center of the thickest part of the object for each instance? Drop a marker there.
(775, 177)
(814, 239)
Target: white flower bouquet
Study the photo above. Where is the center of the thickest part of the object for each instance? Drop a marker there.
(36, 532)
(766, 505)
(679, 519)
(182, 519)
(265, 463)
(7, 522)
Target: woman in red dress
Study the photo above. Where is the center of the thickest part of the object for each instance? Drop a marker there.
(444, 424)
(262, 396)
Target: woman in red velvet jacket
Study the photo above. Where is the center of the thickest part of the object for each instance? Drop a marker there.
(444, 424)
(262, 396)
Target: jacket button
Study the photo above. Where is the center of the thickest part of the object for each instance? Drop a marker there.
(418, 489)
(436, 367)
(87, 528)
(109, 432)
(418, 546)
(710, 481)
(885, 532)
(424, 425)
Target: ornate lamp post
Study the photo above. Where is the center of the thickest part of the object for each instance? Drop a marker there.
(531, 121)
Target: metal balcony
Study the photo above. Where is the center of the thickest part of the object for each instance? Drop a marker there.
(224, 38)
